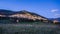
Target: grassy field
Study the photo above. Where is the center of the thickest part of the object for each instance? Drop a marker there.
(29, 29)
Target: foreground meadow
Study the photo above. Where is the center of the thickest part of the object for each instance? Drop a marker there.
(29, 29)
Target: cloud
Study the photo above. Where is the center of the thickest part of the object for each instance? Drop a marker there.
(58, 15)
(54, 10)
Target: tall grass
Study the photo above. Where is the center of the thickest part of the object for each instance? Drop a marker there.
(28, 29)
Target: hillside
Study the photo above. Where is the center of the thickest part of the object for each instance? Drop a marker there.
(6, 12)
(55, 19)
(23, 15)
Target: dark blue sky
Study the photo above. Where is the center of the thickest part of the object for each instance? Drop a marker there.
(46, 8)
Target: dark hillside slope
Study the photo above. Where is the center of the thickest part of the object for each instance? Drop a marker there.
(6, 12)
(22, 16)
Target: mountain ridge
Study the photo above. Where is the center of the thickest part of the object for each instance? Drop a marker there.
(22, 14)
(52, 19)
(25, 15)
(9, 12)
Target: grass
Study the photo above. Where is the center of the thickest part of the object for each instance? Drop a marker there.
(29, 29)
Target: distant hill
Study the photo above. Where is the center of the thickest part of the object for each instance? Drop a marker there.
(55, 19)
(6, 12)
(22, 14)
(9, 12)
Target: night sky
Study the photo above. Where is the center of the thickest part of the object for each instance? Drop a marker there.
(46, 8)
